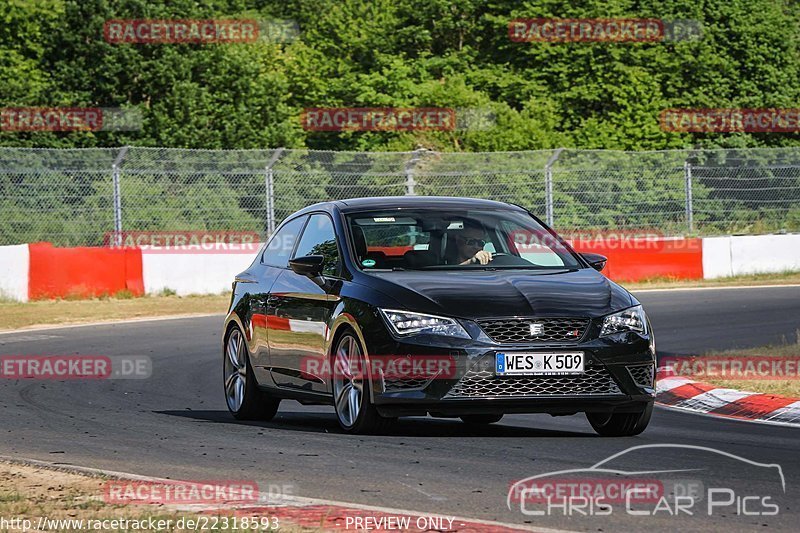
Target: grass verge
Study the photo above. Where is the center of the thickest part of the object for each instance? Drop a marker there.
(782, 278)
(36, 493)
(789, 387)
(15, 315)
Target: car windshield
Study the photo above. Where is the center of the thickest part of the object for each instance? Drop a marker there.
(431, 239)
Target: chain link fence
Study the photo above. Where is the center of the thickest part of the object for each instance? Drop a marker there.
(79, 196)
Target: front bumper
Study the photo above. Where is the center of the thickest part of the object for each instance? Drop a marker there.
(619, 376)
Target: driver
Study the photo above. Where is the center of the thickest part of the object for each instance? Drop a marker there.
(469, 245)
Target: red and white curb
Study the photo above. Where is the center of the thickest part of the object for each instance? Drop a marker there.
(327, 515)
(698, 397)
(317, 514)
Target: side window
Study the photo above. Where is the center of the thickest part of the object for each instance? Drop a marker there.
(319, 238)
(280, 246)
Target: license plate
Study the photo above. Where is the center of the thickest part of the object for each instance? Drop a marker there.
(540, 363)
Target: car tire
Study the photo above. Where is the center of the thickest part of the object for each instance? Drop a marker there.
(242, 395)
(621, 424)
(351, 389)
(481, 420)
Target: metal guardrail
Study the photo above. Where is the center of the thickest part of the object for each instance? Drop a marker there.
(80, 196)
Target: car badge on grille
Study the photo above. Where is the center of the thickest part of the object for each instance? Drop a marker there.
(536, 329)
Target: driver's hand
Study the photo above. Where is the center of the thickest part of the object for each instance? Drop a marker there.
(483, 257)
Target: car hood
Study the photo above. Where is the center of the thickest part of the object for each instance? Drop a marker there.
(481, 294)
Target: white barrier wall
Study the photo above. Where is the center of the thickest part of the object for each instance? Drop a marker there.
(717, 257)
(750, 254)
(765, 253)
(14, 268)
(192, 273)
(212, 273)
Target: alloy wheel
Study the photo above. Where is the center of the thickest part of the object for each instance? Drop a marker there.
(235, 371)
(348, 380)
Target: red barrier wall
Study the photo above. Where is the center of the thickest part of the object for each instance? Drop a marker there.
(83, 272)
(278, 322)
(259, 320)
(638, 260)
(631, 258)
(87, 272)
(390, 250)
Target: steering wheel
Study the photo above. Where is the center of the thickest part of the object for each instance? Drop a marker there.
(506, 259)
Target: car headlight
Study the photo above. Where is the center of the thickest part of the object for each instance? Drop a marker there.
(408, 323)
(632, 319)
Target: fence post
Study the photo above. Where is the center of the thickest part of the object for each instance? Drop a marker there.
(270, 190)
(409, 171)
(548, 186)
(687, 177)
(117, 197)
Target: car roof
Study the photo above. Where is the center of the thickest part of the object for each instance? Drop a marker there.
(408, 202)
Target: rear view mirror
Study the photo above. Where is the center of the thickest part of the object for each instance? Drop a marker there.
(308, 265)
(596, 261)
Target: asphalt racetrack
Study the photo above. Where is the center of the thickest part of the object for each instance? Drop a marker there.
(175, 424)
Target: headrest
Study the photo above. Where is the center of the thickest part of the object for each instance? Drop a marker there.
(359, 241)
(419, 258)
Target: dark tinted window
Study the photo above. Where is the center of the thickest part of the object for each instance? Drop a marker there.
(320, 239)
(439, 238)
(279, 249)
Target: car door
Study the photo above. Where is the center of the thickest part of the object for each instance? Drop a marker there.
(273, 261)
(299, 308)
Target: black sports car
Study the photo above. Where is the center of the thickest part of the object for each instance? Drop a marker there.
(453, 307)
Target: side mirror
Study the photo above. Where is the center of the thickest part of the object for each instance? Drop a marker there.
(308, 265)
(596, 261)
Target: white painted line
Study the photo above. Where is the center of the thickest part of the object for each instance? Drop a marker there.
(28, 338)
(684, 410)
(724, 287)
(290, 501)
(787, 413)
(49, 327)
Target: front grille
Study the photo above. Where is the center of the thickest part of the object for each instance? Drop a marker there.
(642, 374)
(518, 330)
(401, 384)
(484, 384)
